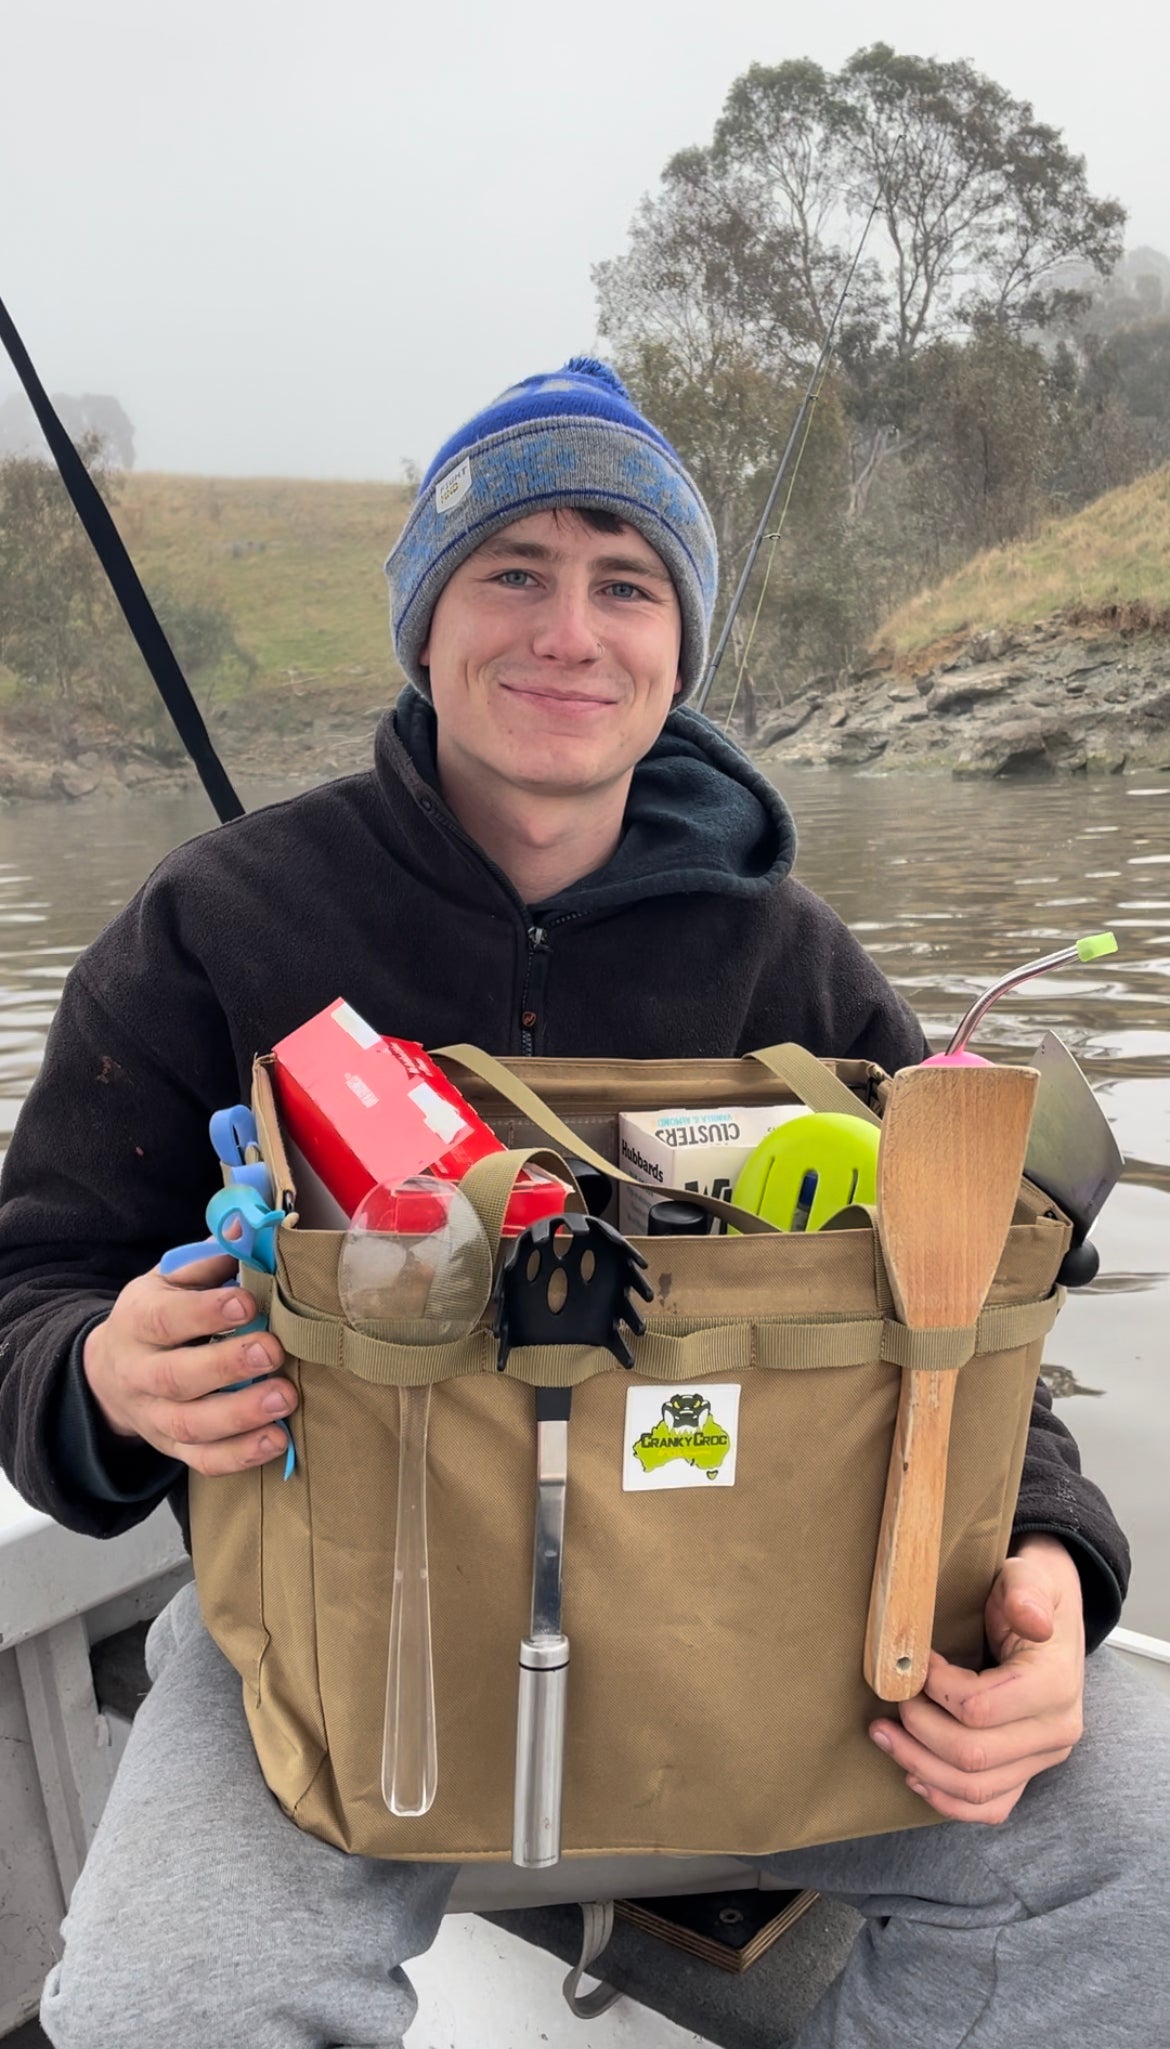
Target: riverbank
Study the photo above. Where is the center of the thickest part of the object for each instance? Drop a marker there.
(1067, 696)
(300, 734)
(1070, 695)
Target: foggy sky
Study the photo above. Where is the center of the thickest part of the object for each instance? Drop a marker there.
(309, 240)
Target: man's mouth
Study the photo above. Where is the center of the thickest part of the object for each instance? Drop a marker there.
(569, 699)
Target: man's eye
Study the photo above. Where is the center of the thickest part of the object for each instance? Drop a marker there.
(514, 579)
(625, 590)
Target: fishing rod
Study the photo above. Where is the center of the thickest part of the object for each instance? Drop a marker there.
(139, 613)
(794, 445)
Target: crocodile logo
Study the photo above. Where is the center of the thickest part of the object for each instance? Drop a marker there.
(686, 1430)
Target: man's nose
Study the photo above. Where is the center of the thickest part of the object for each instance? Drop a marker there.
(565, 630)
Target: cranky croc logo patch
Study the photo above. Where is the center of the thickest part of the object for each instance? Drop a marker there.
(680, 1437)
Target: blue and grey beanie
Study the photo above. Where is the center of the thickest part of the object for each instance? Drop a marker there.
(574, 437)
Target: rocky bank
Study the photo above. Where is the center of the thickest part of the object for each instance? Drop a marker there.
(298, 737)
(1063, 697)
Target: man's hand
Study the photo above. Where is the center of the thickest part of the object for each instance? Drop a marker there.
(152, 1380)
(970, 1741)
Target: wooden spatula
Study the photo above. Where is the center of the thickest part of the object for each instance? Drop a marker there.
(952, 1152)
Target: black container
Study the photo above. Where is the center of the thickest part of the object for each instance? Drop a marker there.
(674, 1219)
(596, 1187)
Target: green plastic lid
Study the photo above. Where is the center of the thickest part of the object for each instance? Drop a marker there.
(1093, 947)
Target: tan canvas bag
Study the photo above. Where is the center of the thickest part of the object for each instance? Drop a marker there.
(716, 1697)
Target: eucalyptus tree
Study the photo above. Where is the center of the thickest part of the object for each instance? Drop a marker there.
(718, 305)
(981, 203)
(53, 599)
(709, 320)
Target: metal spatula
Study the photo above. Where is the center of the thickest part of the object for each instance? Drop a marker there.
(952, 1152)
(1072, 1153)
(569, 1280)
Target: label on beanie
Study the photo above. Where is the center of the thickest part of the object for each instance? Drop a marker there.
(450, 491)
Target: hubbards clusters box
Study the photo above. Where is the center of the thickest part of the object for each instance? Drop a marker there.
(696, 1152)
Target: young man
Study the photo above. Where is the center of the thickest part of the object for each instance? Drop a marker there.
(550, 855)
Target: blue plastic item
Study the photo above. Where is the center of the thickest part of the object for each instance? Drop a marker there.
(232, 1132)
(244, 1210)
(241, 1223)
(253, 1174)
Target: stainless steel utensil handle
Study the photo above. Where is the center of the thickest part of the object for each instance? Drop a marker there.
(540, 1752)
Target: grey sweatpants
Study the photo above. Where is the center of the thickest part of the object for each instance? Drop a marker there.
(204, 1919)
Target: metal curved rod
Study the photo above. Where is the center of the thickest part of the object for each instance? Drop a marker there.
(806, 404)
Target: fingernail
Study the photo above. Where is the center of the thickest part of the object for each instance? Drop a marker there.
(275, 1402)
(233, 1310)
(881, 1739)
(257, 1356)
(916, 1786)
(270, 1445)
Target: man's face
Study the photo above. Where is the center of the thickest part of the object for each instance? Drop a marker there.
(554, 656)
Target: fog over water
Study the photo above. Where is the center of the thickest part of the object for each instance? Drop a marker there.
(298, 241)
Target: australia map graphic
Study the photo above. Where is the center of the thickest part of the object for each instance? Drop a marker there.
(686, 1430)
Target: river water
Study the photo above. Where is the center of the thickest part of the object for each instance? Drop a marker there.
(948, 885)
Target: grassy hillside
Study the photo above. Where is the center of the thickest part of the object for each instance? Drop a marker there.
(1113, 556)
(296, 565)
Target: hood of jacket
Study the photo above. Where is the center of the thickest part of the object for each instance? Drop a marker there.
(699, 815)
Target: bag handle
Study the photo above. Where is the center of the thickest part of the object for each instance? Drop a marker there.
(537, 1111)
(809, 1079)
(488, 1185)
(523, 1098)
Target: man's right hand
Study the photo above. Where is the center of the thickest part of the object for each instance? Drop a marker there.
(151, 1378)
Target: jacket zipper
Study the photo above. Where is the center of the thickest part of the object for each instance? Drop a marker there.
(535, 971)
(536, 964)
(535, 979)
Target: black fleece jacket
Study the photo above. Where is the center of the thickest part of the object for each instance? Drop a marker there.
(693, 941)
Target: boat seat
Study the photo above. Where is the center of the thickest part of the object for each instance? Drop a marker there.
(762, 2007)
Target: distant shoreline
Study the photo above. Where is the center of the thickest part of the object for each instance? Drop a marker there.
(1050, 699)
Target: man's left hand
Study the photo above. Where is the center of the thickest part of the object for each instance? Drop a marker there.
(970, 1741)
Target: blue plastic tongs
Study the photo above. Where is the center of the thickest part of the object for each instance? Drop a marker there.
(234, 1136)
(241, 1220)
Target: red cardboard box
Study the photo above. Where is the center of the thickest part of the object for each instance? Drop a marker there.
(364, 1110)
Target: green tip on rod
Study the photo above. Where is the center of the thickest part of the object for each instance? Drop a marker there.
(1093, 947)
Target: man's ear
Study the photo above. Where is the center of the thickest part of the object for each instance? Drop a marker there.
(424, 653)
(678, 684)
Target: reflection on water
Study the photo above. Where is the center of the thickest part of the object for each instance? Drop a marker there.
(951, 884)
(948, 885)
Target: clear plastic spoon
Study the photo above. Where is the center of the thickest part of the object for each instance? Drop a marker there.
(416, 1268)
